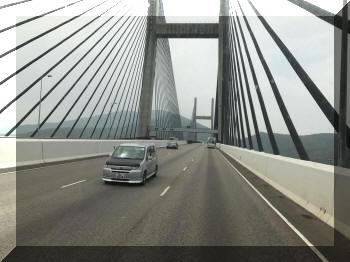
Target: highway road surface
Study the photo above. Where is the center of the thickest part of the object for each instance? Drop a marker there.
(197, 199)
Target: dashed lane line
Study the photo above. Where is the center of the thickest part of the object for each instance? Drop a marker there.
(81, 181)
(165, 190)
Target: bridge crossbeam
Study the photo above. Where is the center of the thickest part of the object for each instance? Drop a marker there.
(181, 129)
(204, 117)
(182, 30)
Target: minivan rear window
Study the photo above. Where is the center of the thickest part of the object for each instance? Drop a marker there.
(129, 152)
(211, 140)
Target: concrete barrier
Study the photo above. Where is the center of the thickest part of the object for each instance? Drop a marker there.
(309, 184)
(341, 200)
(7, 152)
(28, 152)
(25, 152)
(60, 150)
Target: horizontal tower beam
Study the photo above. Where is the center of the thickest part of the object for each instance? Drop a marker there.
(179, 129)
(204, 117)
(184, 30)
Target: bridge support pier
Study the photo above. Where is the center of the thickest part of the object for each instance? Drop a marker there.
(154, 31)
(196, 117)
(145, 106)
(221, 78)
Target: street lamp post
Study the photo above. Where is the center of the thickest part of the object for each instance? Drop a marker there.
(41, 89)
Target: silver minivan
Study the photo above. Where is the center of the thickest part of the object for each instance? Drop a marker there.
(131, 163)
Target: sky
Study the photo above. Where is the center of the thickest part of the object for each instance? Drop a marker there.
(195, 61)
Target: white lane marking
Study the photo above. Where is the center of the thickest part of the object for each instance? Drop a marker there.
(185, 168)
(165, 190)
(306, 241)
(81, 181)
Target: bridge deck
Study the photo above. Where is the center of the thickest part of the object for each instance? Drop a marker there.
(207, 203)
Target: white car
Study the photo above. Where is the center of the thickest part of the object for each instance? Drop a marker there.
(131, 163)
(211, 142)
(172, 144)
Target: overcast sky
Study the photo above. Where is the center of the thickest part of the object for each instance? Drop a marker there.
(195, 61)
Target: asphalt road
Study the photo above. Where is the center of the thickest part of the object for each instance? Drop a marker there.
(197, 199)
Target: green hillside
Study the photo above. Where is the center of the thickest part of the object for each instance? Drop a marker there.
(320, 147)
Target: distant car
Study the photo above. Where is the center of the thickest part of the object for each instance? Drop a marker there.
(131, 163)
(211, 142)
(172, 144)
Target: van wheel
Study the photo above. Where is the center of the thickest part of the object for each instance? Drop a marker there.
(155, 172)
(144, 177)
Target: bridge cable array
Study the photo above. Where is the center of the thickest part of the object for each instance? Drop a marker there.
(117, 53)
(165, 105)
(14, 3)
(56, 64)
(37, 17)
(234, 93)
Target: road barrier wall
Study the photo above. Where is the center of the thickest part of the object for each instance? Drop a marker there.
(25, 152)
(309, 184)
(341, 200)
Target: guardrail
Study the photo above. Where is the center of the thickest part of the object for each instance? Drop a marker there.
(26, 152)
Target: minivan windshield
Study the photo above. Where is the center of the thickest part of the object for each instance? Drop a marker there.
(129, 152)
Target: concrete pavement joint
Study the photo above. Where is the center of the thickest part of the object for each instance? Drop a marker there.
(306, 241)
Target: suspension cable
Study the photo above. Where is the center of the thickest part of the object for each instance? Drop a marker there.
(115, 68)
(127, 72)
(48, 31)
(251, 104)
(38, 16)
(257, 89)
(115, 83)
(23, 92)
(286, 117)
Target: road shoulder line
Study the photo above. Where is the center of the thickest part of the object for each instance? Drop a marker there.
(302, 237)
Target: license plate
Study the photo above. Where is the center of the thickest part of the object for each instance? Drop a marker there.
(120, 176)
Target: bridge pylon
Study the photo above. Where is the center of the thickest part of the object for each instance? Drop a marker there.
(196, 117)
(145, 105)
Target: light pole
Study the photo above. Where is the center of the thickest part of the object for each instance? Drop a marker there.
(41, 89)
